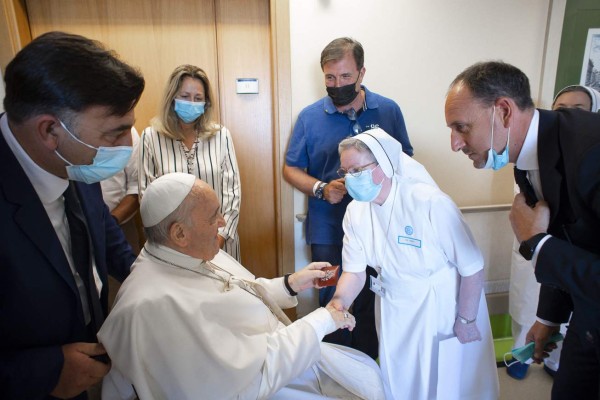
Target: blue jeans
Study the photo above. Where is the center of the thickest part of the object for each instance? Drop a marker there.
(364, 335)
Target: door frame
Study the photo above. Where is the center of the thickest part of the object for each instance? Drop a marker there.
(15, 33)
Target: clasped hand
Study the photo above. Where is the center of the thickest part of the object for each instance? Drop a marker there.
(342, 318)
(527, 221)
(335, 191)
(79, 370)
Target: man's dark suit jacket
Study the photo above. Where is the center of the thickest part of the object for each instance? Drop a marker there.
(569, 161)
(40, 308)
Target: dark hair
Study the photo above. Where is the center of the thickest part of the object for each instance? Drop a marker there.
(337, 49)
(491, 80)
(60, 72)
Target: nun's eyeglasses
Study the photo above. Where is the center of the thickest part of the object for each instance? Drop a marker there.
(355, 172)
(351, 114)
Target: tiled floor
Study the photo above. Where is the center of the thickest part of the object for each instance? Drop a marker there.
(536, 385)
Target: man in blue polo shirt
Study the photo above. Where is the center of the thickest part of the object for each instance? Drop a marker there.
(312, 162)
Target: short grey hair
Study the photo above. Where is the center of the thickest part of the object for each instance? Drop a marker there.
(358, 145)
(159, 233)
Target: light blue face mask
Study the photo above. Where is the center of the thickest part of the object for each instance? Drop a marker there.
(524, 354)
(107, 162)
(362, 187)
(189, 111)
(495, 160)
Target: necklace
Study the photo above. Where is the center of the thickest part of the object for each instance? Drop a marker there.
(190, 154)
(212, 268)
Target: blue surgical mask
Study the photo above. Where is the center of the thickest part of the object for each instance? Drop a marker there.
(524, 354)
(495, 160)
(107, 162)
(189, 111)
(362, 187)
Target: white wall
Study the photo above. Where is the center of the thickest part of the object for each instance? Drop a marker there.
(413, 50)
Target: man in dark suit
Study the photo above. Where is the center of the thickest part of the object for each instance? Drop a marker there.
(560, 151)
(69, 113)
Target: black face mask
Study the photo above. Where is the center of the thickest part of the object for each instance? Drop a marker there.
(343, 95)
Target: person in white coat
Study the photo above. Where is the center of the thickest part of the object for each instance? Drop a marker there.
(190, 322)
(430, 275)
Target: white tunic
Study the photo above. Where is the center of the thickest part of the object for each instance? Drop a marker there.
(177, 334)
(421, 243)
(215, 163)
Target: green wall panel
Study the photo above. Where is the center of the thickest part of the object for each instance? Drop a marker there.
(580, 15)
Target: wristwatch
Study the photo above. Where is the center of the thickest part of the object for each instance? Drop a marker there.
(319, 194)
(527, 247)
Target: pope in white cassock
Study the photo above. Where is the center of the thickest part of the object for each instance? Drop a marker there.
(190, 322)
(434, 333)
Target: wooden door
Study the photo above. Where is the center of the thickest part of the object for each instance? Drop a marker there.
(229, 40)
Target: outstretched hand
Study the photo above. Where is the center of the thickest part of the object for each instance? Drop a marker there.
(305, 278)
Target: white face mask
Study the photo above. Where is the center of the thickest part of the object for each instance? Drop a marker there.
(496, 161)
(107, 162)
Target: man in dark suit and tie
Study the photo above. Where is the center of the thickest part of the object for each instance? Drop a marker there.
(69, 114)
(490, 102)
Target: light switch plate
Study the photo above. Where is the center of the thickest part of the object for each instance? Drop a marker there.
(246, 85)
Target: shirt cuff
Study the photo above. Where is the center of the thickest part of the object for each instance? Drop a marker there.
(537, 250)
(321, 321)
(548, 323)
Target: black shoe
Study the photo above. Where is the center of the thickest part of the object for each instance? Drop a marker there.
(549, 371)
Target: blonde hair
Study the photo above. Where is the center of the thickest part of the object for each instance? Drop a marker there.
(167, 121)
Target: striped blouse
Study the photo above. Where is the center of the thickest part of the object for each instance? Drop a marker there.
(214, 162)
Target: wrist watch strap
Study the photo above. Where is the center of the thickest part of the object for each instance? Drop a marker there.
(465, 321)
(527, 247)
(286, 282)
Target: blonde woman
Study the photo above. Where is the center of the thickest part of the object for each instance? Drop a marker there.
(185, 138)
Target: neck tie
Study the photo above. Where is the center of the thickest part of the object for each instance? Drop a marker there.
(82, 251)
(525, 187)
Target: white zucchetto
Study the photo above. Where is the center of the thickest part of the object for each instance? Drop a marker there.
(163, 196)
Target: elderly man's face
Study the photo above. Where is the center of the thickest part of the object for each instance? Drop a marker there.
(205, 221)
(470, 125)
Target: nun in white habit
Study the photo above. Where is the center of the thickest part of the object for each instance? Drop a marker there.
(577, 96)
(429, 286)
(190, 322)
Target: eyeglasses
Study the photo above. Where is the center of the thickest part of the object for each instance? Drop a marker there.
(351, 114)
(355, 172)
